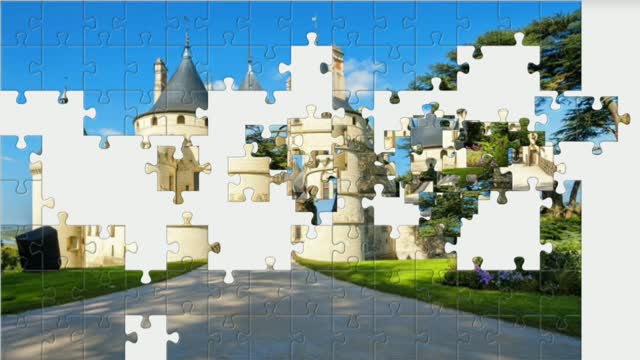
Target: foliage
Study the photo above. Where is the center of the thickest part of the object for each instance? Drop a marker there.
(473, 132)
(463, 172)
(446, 210)
(498, 147)
(558, 228)
(428, 175)
(474, 157)
(566, 255)
(565, 282)
(451, 227)
(406, 178)
(422, 280)
(583, 123)
(560, 66)
(22, 291)
(10, 258)
(267, 147)
(494, 280)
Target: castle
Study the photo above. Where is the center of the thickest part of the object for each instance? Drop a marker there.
(321, 168)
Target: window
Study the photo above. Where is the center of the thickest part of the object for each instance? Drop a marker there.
(206, 122)
(325, 189)
(112, 231)
(180, 120)
(73, 244)
(154, 121)
(113, 250)
(170, 182)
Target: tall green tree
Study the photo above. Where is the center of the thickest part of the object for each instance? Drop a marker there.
(559, 38)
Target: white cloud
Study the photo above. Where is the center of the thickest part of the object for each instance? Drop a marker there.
(218, 85)
(8, 158)
(109, 132)
(360, 74)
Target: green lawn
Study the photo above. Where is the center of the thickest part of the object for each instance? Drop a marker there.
(463, 172)
(26, 291)
(421, 279)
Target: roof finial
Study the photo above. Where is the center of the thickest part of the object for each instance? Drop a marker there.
(250, 61)
(187, 46)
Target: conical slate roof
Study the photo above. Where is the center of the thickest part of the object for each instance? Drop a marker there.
(185, 91)
(250, 81)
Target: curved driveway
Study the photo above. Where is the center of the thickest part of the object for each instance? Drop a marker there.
(275, 315)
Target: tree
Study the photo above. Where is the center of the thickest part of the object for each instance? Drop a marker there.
(559, 38)
(267, 146)
(557, 204)
(583, 123)
(498, 147)
(473, 132)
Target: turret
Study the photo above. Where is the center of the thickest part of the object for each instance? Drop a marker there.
(160, 82)
(337, 69)
(250, 81)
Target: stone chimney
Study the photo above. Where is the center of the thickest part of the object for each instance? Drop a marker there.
(160, 82)
(337, 69)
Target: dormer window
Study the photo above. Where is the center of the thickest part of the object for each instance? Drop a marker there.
(180, 120)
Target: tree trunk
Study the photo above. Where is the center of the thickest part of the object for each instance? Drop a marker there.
(557, 206)
(573, 199)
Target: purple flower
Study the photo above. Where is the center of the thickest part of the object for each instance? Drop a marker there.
(485, 277)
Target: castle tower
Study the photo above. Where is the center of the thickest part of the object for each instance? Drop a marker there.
(160, 82)
(250, 81)
(337, 71)
(174, 113)
(352, 164)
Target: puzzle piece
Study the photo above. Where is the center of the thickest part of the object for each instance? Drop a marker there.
(350, 171)
(254, 174)
(178, 174)
(582, 119)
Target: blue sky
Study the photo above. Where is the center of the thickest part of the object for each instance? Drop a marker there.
(108, 49)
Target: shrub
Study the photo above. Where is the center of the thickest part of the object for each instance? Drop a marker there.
(564, 282)
(468, 279)
(570, 282)
(10, 258)
(566, 255)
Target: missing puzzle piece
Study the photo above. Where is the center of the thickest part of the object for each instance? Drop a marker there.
(147, 338)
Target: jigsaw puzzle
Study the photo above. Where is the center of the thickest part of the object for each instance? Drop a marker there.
(315, 180)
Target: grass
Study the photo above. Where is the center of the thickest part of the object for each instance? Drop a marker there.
(560, 229)
(473, 157)
(33, 290)
(463, 172)
(421, 279)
